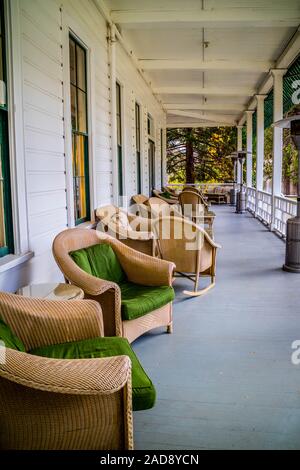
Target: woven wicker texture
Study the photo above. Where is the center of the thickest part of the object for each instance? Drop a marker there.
(57, 403)
(139, 268)
(187, 245)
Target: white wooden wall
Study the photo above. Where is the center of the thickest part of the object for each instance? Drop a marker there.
(43, 63)
(135, 89)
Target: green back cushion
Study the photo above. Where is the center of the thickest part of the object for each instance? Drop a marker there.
(143, 391)
(101, 261)
(9, 338)
(138, 300)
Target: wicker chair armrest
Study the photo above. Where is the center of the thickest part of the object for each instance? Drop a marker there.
(91, 285)
(143, 269)
(40, 322)
(208, 238)
(74, 376)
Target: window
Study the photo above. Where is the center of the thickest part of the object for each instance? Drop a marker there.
(150, 125)
(151, 154)
(80, 157)
(6, 230)
(119, 137)
(138, 146)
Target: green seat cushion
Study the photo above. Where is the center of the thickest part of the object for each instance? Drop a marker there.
(8, 337)
(101, 261)
(143, 391)
(138, 300)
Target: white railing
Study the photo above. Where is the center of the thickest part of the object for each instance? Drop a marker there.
(203, 186)
(251, 199)
(284, 208)
(263, 208)
(273, 211)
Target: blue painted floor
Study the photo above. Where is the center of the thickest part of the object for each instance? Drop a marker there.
(224, 378)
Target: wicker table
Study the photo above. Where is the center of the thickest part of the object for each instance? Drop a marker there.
(52, 291)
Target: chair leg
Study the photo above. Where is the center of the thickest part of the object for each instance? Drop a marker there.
(196, 282)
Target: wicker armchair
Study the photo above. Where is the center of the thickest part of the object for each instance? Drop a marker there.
(132, 230)
(139, 198)
(139, 268)
(61, 404)
(189, 247)
(156, 207)
(165, 196)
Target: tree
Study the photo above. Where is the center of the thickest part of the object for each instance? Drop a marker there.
(198, 154)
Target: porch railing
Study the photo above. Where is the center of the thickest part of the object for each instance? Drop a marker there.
(251, 199)
(263, 209)
(202, 186)
(284, 208)
(273, 211)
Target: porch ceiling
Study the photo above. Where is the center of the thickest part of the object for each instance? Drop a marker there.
(203, 56)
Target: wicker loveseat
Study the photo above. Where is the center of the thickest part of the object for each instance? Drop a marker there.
(133, 289)
(61, 402)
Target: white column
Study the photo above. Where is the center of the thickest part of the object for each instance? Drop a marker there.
(277, 132)
(239, 147)
(260, 141)
(249, 149)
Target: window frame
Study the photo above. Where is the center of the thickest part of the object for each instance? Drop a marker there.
(8, 248)
(151, 153)
(77, 132)
(138, 141)
(119, 130)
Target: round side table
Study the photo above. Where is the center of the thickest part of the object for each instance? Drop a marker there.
(52, 291)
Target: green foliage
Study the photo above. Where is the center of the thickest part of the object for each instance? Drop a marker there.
(210, 146)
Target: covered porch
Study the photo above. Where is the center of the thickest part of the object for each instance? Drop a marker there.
(88, 91)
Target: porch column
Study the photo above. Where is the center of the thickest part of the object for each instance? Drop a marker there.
(249, 149)
(239, 147)
(260, 141)
(277, 131)
(277, 138)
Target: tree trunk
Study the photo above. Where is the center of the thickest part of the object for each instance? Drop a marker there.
(189, 162)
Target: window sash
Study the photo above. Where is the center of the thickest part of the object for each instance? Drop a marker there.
(80, 154)
(119, 138)
(138, 146)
